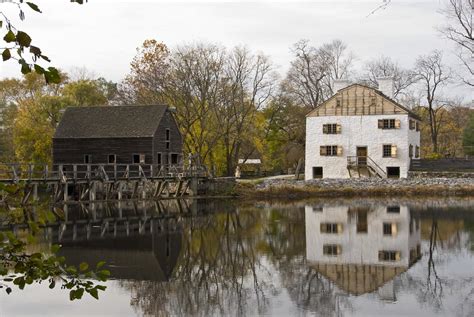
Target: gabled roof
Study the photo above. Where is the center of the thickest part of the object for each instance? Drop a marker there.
(110, 121)
(409, 112)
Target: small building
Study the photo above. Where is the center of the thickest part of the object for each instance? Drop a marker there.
(361, 132)
(118, 135)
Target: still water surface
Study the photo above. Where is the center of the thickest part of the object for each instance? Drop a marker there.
(323, 258)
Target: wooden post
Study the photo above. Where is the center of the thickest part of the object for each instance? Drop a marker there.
(92, 191)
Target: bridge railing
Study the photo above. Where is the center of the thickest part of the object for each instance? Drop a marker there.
(14, 172)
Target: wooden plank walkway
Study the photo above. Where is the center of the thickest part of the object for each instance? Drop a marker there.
(90, 182)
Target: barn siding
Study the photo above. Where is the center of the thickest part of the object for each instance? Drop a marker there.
(159, 144)
(72, 151)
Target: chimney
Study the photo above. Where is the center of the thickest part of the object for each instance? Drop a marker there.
(386, 86)
(340, 84)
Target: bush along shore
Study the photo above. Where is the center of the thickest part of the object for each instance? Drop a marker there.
(363, 187)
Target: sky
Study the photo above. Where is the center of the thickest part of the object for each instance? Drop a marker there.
(103, 35)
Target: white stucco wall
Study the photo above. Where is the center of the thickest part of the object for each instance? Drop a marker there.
(359, 248)
(357, 131)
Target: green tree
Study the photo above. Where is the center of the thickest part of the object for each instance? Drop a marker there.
(468, 136)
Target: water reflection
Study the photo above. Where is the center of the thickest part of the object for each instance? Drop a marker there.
(362, 248)
(331, 258)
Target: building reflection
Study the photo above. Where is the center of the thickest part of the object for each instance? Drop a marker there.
(362, 248)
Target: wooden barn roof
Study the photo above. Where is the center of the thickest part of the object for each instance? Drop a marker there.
(110, 121)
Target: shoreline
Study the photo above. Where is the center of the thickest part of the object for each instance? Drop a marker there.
(365, 187)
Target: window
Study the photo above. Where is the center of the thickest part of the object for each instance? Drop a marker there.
(331, 227)
(331, 128)
(138, 158)
(393, 209)
(167, 139)
(412, 124)
(417, 125)
(389, 124)
(410, 151)
(317, 172)
(87, 159)
(417, 151)
(317, 209)
(393, 171)
(389, 256)
(387, 150)
(111, 159)
(389, 229)
(330, 150)
(331, 249)
(362, 222)
(338, 103)
(158, 159)
(174, 158)
(372, 101)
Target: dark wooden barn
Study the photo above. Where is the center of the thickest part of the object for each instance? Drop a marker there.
(118, 135)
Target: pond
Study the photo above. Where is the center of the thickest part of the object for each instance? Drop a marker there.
(238, 258)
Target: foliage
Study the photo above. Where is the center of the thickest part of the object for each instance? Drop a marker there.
(217, 94)
(468, 136)
(31, 111)
(18, 45)
(21, 269)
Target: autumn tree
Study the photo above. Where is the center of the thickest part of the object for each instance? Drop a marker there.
(433, 75)
(247, 85)
(36, 110)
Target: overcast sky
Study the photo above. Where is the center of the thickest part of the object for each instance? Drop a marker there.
(103, 34)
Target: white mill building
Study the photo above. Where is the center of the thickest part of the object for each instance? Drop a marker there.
(362, 248)
(361, 132)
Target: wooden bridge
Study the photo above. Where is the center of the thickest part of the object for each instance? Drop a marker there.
(90, 182)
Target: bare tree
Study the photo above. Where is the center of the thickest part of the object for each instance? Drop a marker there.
(338, 61)
(459, 29)
(305, 81)
(433, 75)
(249, 82)
(386, 67)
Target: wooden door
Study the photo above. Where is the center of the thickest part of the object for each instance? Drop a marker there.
(362, 155)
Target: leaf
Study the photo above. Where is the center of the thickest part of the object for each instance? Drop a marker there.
(9, 37)
(23, 39)
(52, 284)
(35, 50)
(100, 264)
(39, 69)
(34, 6)
(83, 266)
(8, 290)
(25, 68)
(94, 293)
(52, 76)
(79, 293)
(55, 248)
(6, 54)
